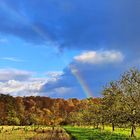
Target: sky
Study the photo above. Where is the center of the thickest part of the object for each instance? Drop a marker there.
(66, 48)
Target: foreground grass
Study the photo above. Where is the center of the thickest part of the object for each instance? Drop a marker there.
(32, 133)
(58, 133)
(80, 133)
(15, 133)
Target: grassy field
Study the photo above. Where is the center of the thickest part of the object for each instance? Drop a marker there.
(65, 133)
(32, 133)
(81, 133)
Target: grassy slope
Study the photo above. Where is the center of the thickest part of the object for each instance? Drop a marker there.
(95, 134)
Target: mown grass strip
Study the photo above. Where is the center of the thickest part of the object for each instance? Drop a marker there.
(79, 133)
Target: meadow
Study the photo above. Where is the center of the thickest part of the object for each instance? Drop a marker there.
(89, 133)
(33, 133)
(64, 133)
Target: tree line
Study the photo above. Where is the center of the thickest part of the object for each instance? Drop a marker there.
(119, 106)
(36, 110)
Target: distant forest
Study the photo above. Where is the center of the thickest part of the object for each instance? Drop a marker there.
(119, 106)
(38, 110)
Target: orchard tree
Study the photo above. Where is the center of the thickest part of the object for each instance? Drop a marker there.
(112, 107)
(91, 113)
(75, 118)
(130, 86)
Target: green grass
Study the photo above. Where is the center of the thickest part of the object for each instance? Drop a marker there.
(81, 133)
(78, 133)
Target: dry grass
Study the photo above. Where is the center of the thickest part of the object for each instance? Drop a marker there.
(32, 133)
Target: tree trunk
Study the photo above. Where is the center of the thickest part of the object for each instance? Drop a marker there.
(97, 125)
(103, 126)
(133, 129)
(113, 127)
(94, 125)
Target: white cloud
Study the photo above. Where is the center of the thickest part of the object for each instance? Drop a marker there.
(21, 88)
(19, 82)
(14, 74)
(54, 74)
(99, 57)
(13, 59)
(22, 83)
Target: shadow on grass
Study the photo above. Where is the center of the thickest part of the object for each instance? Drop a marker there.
(94, 134)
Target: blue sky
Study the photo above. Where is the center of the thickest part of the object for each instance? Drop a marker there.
(43, 42)
(32, 56)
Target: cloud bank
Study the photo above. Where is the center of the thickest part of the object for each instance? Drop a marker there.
(14, 74)
(73, 24)
(21, 88)
(65, 84)
(19, 82)
(110, 26)
(86, 65)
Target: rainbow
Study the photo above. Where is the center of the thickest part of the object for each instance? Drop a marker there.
(47, 38)
(81, 81)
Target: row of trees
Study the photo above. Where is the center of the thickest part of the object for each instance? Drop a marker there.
(119, 106)
(122, 100)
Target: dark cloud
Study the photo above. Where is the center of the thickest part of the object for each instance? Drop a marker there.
(74, 24)
(67, 80)
(80, 74)
(94, 81)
